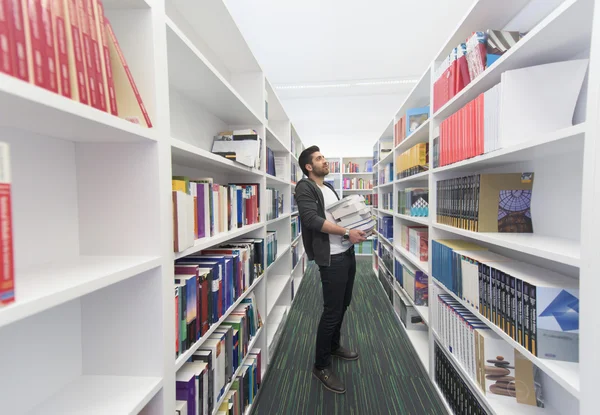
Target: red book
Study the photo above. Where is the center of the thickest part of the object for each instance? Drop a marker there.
(78, 77)
(17, 36)
(7, 271)
(34, 35)
(61, 53)
(109, 83)
(96, 56)
(88, 52)
(49, 52)
(6, 64)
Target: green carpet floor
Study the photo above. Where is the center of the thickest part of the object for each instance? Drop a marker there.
(387, 379)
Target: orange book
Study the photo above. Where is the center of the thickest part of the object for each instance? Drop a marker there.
(88, 52)
(129, 101)
(78, 76)
(107, 75)
(61, 54)
(91, 13)
(49, 53)
(32, 11)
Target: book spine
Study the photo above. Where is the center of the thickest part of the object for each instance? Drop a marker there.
(79, 88)
(88, 54)
(18, 39)
(49, 47)
(7, 271)
(111, 97)
(113, 38)
(6, 45)
(96, 59)
(61, 53)
(35, 42)
(533, 319)
(526, 317)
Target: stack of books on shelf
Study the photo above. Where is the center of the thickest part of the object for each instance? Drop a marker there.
(493, 364)
(415, 239)
(7, 274)
(224, 359)
(386, 227)
(69, 47)
(487, 202)
(501, 117)
(334, 166)
(295, 227)
(242, 146)
(409, 123)
(352, 213)
(274, 203)
(356, 183)
(468, 60)
(202, 208)
(413, 161)
(386, 174)
(536, 307)
(414, 282)
(207, 285)
(271, 242)
(413, 201)
(460, 398)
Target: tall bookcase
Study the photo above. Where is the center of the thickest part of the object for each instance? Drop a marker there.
(92, 329)
(563, 202)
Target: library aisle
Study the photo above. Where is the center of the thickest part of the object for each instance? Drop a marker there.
(387, 379)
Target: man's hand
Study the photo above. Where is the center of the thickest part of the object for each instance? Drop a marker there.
(357, 236)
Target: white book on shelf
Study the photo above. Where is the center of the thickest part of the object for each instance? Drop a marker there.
(539, 99)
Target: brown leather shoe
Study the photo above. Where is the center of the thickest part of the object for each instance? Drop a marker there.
(329, 380)
(345, 354)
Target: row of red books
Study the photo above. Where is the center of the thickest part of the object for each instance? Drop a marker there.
(69, 47)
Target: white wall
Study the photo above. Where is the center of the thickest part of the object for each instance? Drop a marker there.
(344, 125)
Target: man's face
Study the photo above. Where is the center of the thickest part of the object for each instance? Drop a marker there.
(320, 166)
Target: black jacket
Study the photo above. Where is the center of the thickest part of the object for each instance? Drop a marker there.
(311, 207)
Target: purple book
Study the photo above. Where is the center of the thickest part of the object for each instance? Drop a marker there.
(185, 386)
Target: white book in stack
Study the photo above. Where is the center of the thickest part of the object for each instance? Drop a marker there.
(352, 213)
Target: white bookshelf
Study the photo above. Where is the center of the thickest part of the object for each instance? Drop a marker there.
(564, 162)
(93, 220)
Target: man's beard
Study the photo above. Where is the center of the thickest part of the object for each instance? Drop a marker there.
(321, 172)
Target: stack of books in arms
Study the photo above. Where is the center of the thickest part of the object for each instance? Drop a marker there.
(242, 146)
(207, 284)
(224, 359)
(7, 272)
(536, 307)
(352, 213)
(492, 363)
(69, 47)
(502, 116)
(202, 209)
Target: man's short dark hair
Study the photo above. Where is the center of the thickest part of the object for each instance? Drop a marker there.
(306, 158)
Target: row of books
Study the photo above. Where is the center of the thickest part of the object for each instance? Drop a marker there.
(295, 227)
(69, 47)
(536, 307)
(414, 201)
(387, 200)
(467, 61)
(387, 282)
(274, 203)
(356, 183)
(386, 227)
(370, 199)
(386, 253)
(460, 398)
(202, 208)
(242, 146)
(295, 254)
(494, 365)
(413, 161)
(295, 172)
(409, 123)
(386, 174)
(7, 271)
(335, 167)
(271, 245)
(352, 167)
(363, 248)
(207, 285)
(486, 202)
(275, 164)
(414, 282)
(352, 213)
(293, 203)
(415, 239)
(200, 383)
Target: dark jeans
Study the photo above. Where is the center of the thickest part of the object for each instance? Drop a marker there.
(337, 280)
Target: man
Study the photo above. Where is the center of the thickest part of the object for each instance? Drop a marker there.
(332, 249)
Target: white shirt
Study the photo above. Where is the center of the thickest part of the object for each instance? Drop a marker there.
(336, 242)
